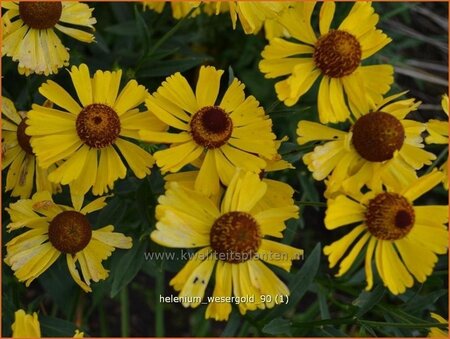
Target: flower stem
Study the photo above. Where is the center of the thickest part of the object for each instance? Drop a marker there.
(164, 38)
(438, 160)
(125, 312)
(159, 307)
(311, 203)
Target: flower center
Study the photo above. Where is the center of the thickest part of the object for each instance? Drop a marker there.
(211, 127)
(377, 135)
(22, 138)
(70, 232)
(40, 14)
(337, 54)
(235, 237)
(389, 216)
(98, 125)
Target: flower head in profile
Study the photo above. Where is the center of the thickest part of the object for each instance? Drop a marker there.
(88, 138)
(215, 135)
(400, 237)
(29, 35)
(381, 147)
(335, 55)
(232, 237)
(28, 326)
(55, 230)
(18, 156)
(438, 134)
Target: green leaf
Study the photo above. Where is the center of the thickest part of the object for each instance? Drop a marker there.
(54, 327)
(299, 283)
(420, 302)
(126, 268)
(112, 213)
(367, 300)
(278, 326)
(143, 29)
(60, 286)
(127, 28)
(168, 67)
(232, 325)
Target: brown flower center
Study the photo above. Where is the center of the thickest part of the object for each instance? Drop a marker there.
(98, 125)
(389, 216)
(377, 135)
(211, 127)
(22, 138)
(337, 53)
(70, 232)
(40, 14)
(235, 237)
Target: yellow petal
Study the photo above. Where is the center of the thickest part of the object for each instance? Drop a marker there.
(58, 95)
(326, 16)
(208, 85)
(25, 325)
(422, 185)
(82, 82)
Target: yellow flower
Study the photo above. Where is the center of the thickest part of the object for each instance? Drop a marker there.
(27, 326)
(389, 225)
(336, 55)
(179, 8)
(88, 137)
(435, 331)
(217, 138)
(30, 37)
(381, 147)
(231, 236)
(278, 193)
(55, 230)
(252, 14)
(438, 134)
(18, 155)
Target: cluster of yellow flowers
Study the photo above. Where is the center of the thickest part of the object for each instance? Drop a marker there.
(221, 203)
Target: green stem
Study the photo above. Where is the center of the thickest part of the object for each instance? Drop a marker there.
(164, 38)
(438, 160)
(300, 148)
(159, 307)
(103, 324)
(311, 203)
(125, 312)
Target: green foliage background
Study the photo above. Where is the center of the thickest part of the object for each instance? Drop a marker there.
(150, 46)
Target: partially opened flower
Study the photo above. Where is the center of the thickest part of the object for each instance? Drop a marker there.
(53, 230)
(233, 240)
(400, 237)
(436, 332)
(251, 14)
(179, 8)
(30, 37)
(381, 147)
(215, 135)
(438, 134)
(25, 325)
(88, 138)
(335, 55)
(28, 326)
(18, 156)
